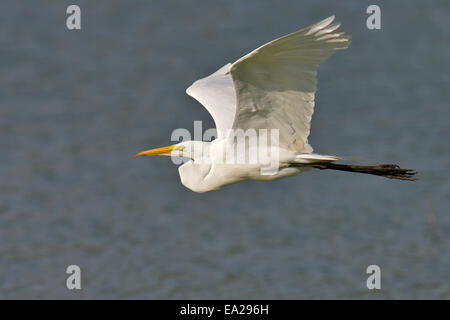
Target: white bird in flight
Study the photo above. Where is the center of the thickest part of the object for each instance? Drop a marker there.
(272, 87)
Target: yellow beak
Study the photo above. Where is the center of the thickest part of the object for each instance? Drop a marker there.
(164, 151)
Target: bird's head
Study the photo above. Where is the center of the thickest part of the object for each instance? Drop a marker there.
(187, 149)
(192, 173)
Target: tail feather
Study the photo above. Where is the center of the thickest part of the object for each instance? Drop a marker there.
(391, 171)
(314, 158)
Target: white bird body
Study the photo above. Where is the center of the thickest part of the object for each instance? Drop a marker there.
(212, 171)
(269, 90)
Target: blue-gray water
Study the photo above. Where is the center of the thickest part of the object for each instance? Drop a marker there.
(76, 105)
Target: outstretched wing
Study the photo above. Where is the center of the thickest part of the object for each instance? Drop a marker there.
(275, 84)
(216, 92)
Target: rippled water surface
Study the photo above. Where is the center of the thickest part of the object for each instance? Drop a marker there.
(76, 105)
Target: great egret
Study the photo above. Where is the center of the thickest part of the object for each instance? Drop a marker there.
(270, 88)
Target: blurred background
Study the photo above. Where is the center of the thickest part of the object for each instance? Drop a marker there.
(76, 105)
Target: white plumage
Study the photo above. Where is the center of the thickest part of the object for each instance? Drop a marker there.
(272, 87)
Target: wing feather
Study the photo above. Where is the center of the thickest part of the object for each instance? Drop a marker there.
(272, 87)
(216, 92)
(276, 83)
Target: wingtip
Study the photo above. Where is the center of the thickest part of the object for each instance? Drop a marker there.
(329, 20)
(320, 25)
